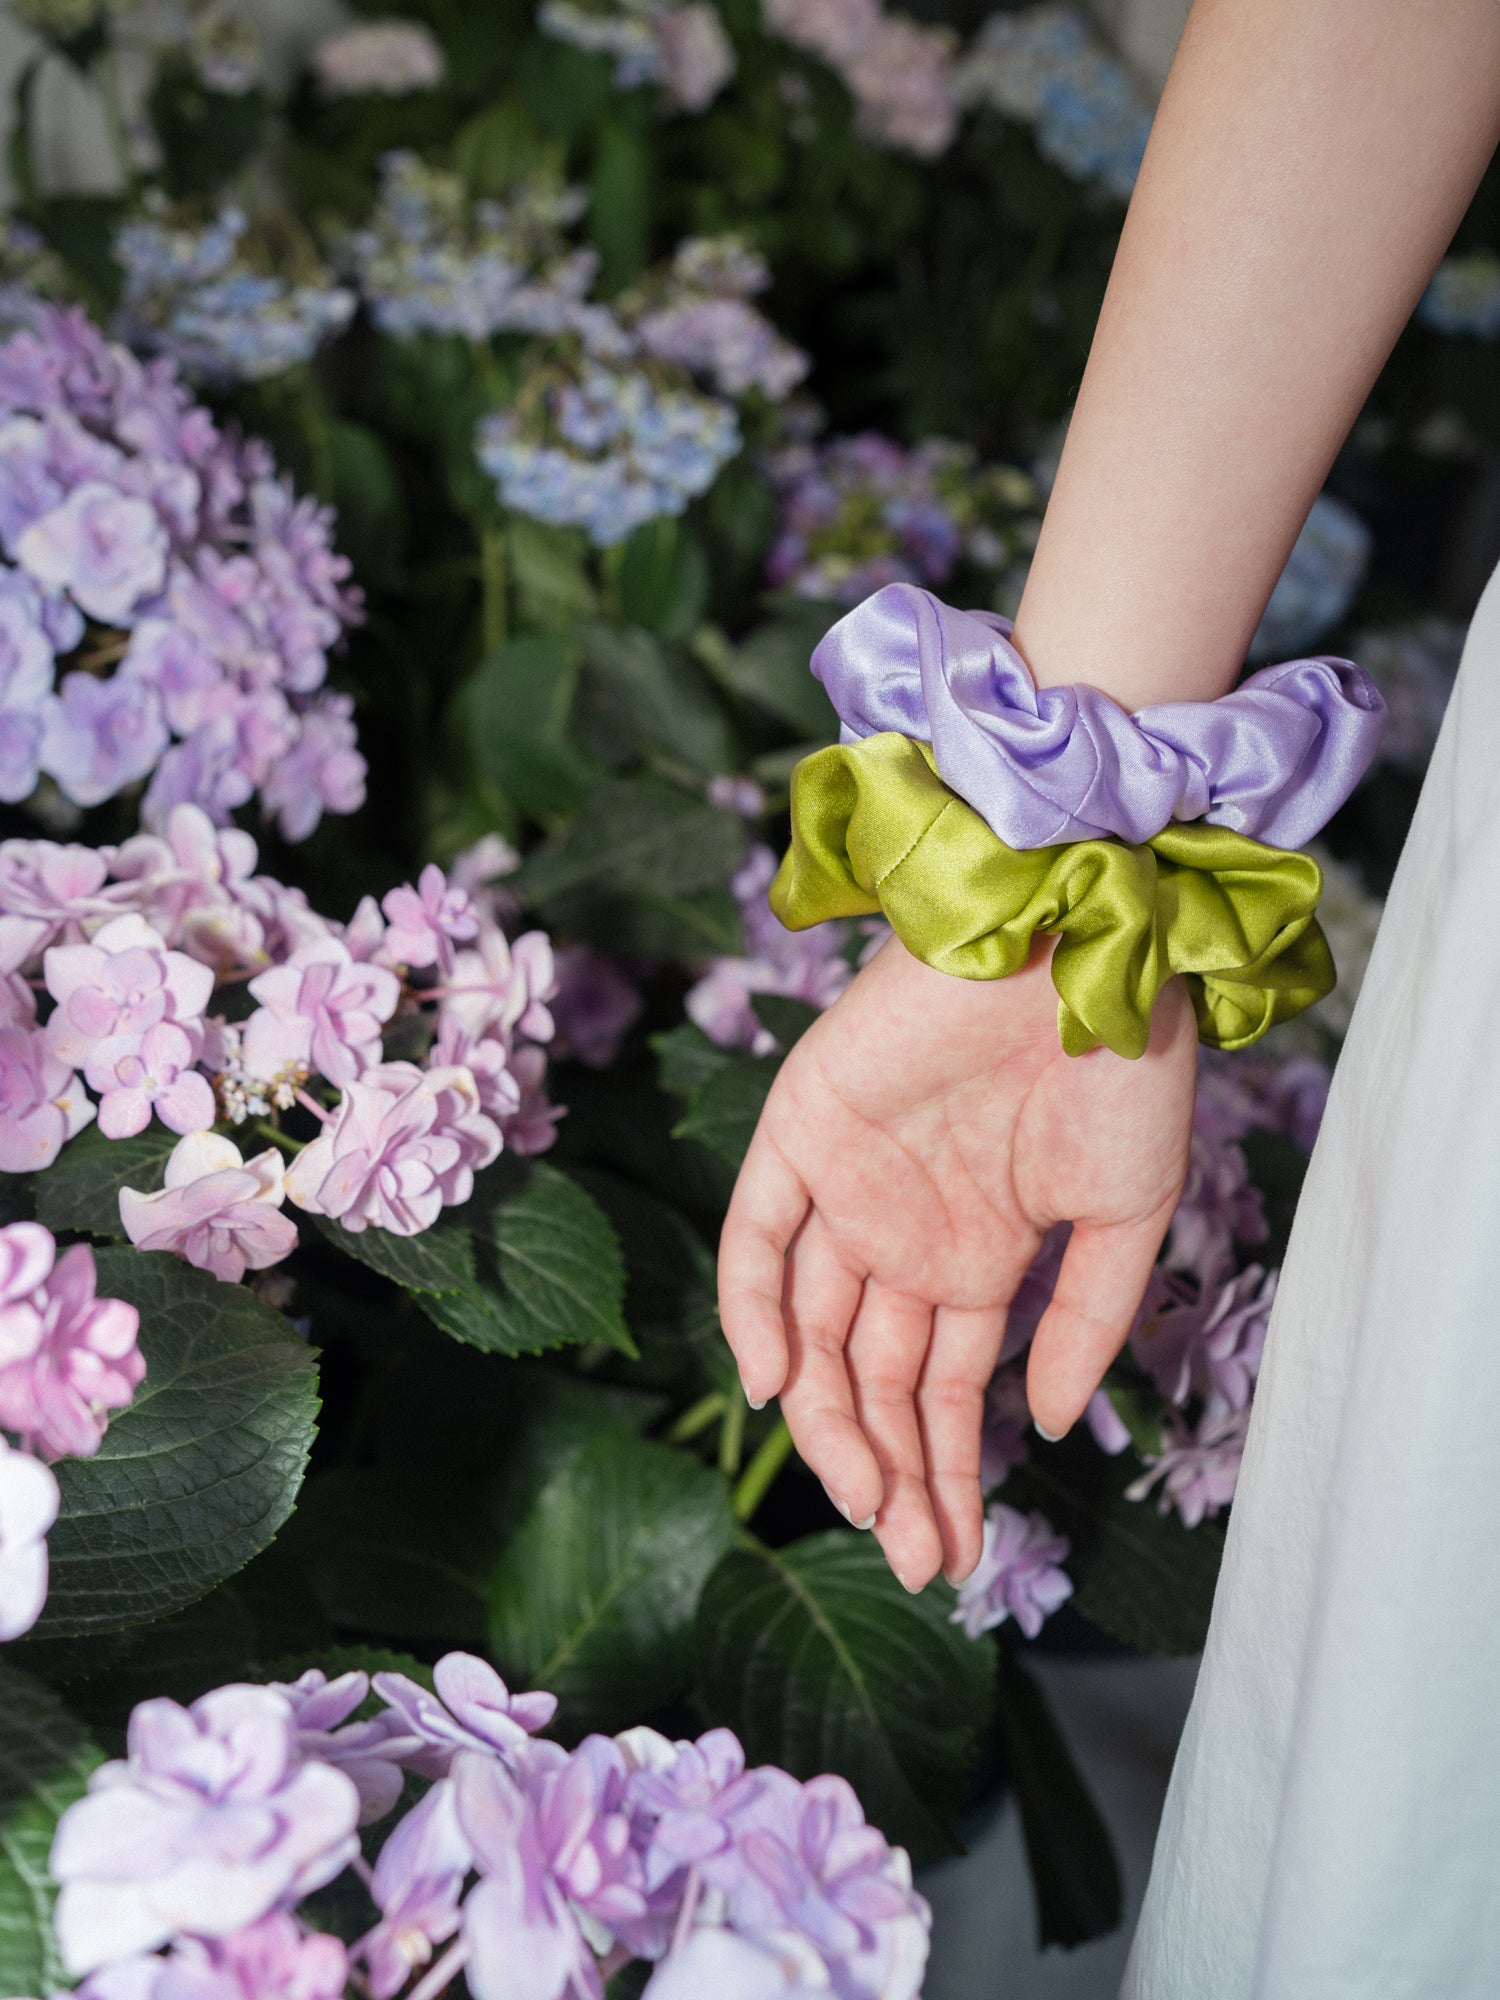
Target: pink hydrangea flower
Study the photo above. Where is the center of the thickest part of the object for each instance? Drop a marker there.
(100, 736)
(402, 1143)
(220, 1212)
(138, 1074)
(502, 988)
(42, 1103)
(532, 1126)
(29, 1501)
(1018, 1574)
(209, 1823)
(85, 1362)
(321, 1009)
(426, 922)
(46, 891)
(323, 771)
(274, 1959)
(195, 883)
(107, 549)
(122, 983)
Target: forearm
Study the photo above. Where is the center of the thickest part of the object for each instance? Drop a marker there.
(1308, 165)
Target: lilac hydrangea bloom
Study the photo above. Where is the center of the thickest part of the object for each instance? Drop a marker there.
(417, 1884)
(219, 1212)
(426, 922)
(120, 498)
(1211, 1347)
(1018, 1574)
(801, 965)
(123, 982)
(46, 891)
(320, 1010)
(29, 1501)
(369, 1752)
(473, 1709)
(100, 736)
(42, 1103)
(593, 1007)
(136, 1075)
(272, 1959)
(1196, 1469)
(83, 1364)
(209, 1823)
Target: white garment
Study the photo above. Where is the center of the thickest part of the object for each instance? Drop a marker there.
(1332, 1831)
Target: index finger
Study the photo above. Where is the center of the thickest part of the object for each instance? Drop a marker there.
(765, 1212)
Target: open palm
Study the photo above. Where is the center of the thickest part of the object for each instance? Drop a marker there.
(918, 1142)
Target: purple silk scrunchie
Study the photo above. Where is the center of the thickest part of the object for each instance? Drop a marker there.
(1274, 759)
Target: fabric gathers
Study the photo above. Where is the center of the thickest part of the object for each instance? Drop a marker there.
(1272, 760)
(876, 829)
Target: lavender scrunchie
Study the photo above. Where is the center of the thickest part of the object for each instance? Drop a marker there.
(1273, 760)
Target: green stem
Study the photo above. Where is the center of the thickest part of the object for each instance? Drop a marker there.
(760, 1474)
(698, 1418)
(732, 1436)
(277, 1136)
(492, 584)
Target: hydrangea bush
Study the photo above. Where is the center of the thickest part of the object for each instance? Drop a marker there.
(424, 477)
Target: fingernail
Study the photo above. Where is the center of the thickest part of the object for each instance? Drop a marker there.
(957, 1578)
(1052, 1437)
(842, 1505)
(757, 1406)
(911, 1589)
(867, 1522)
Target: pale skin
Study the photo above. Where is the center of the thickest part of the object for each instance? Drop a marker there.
(1309, 163)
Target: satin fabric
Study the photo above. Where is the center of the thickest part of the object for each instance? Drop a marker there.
(874, 828)
(1273, 760)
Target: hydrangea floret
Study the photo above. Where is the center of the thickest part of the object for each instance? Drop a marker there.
(138, 948)
(378, 59)
(67, 1360)
(897, 70)
(535, 1872)
(167, 605)
(680, 45)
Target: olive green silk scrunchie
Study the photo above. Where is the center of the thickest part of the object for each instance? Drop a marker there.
(874, 828)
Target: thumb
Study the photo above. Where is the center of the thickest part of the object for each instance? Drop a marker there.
(1105, 1270)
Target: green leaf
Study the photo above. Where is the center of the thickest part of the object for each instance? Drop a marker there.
(1138, 1575)
(368, 498)
(549, 567)
(1073, 1868)
(821, 1661)
(202, 1469)
(594, 1596)
(205, 1646)
(45, 1761)
(549, 1273)
(770, 669)
(388, 1552)
(560, 1265)
(497, 147)
(671, 1294)
(81, 1190)
(724, 1110)
(619, 217)
(663, 578)
(659, 696)
(638, 834)
(686, 1059)
(645, 923)
(519, 703)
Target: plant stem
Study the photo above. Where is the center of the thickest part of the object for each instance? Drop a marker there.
(277, 1136)
(698, 1418)
(732, 1436)
(760, 1474)
(492, 585)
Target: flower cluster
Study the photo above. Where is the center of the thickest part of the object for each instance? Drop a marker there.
(680, 45)
(130, 945)
(1464, 296)
(67, 1358)
(1314, 591)
(897, 70)
(378, 59)
(425, 262)
(210, 38)
(532, 1870)
(606, 449)
(202, 295)
(138, 537)
(1046, 68)
(697, 315)
(860, 512)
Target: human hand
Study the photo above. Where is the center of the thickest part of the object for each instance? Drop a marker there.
(919, 1140)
